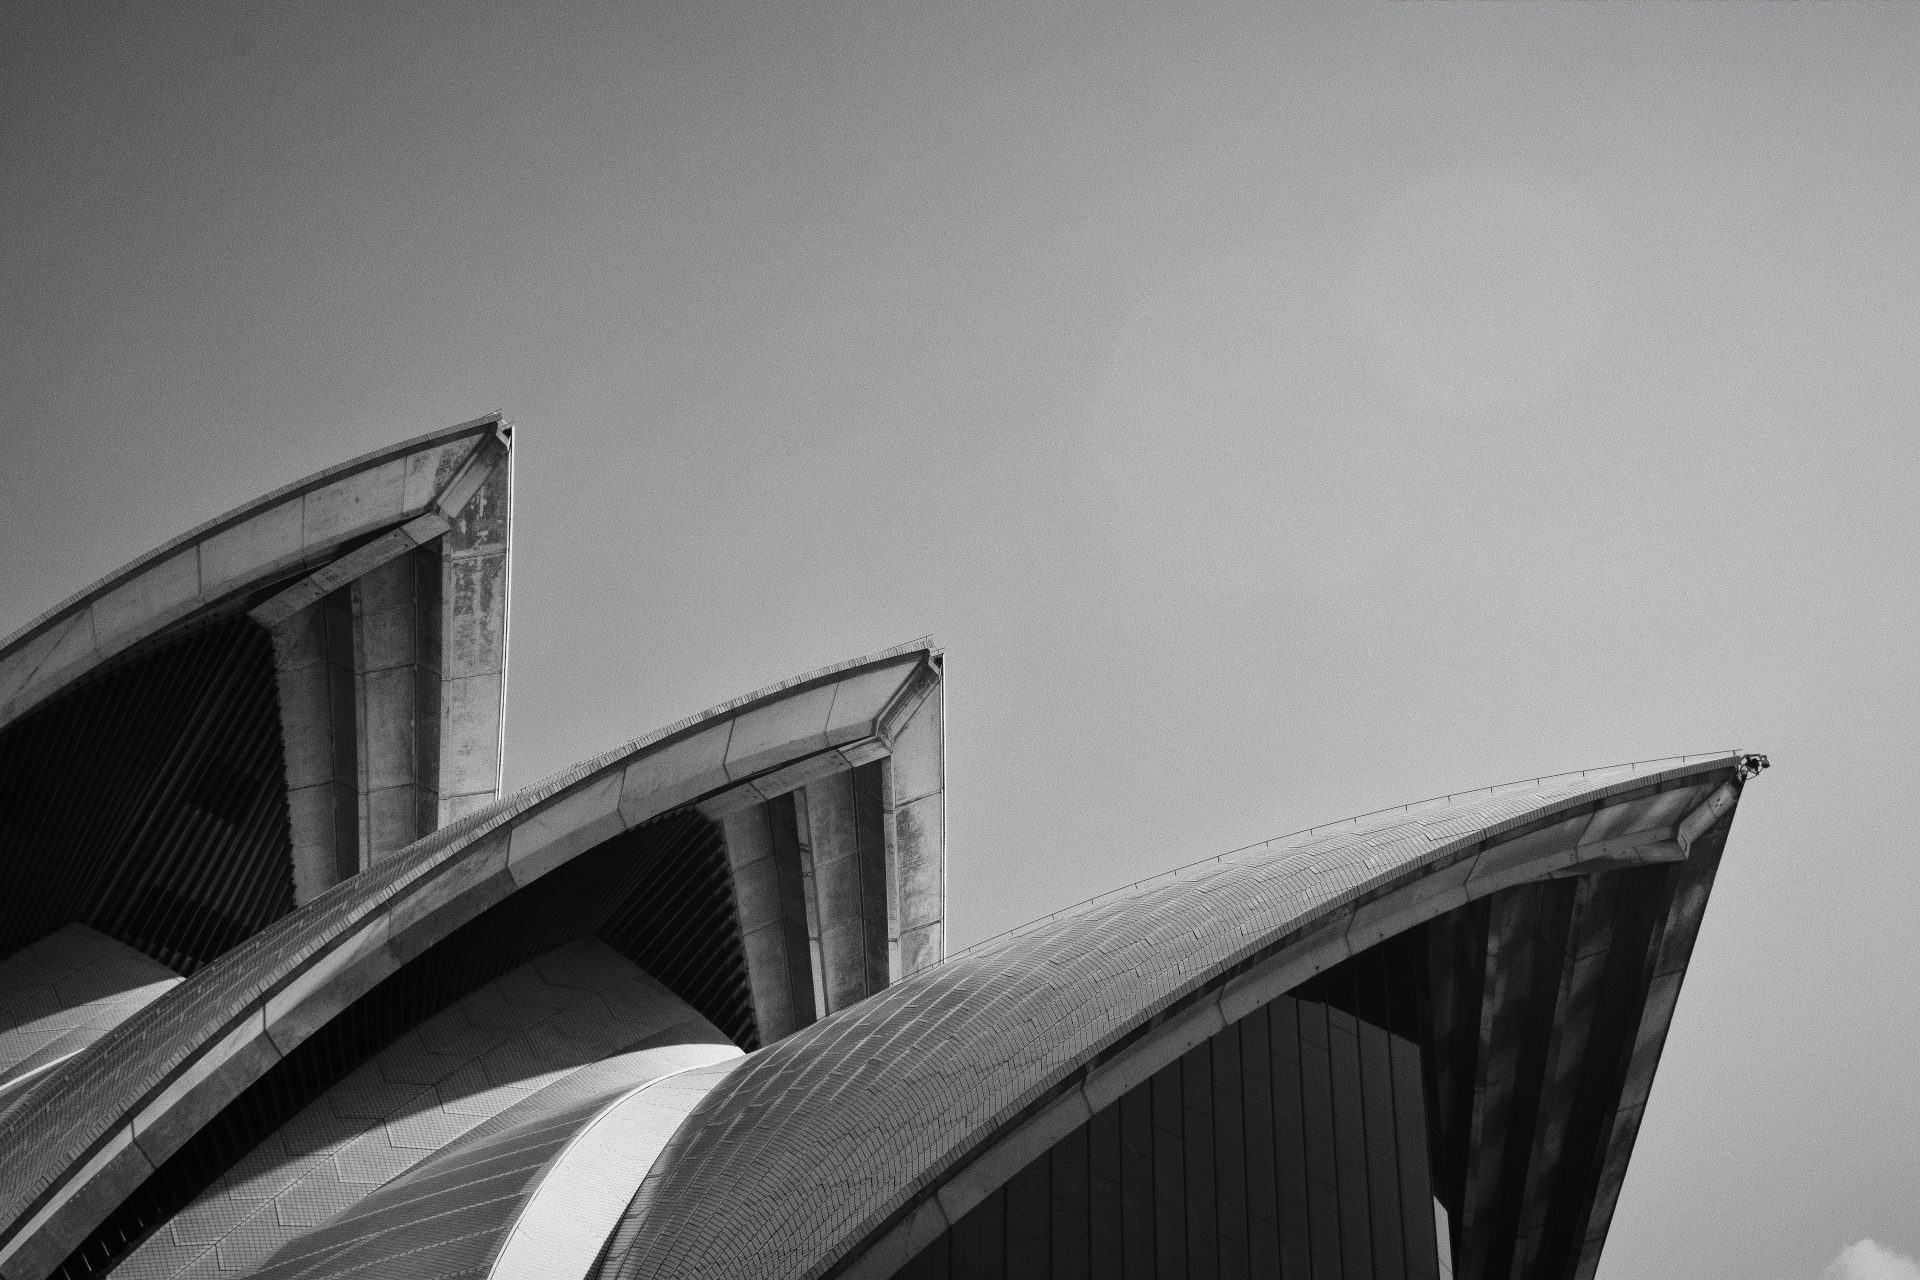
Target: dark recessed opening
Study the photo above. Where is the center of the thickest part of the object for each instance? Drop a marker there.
(147, 803)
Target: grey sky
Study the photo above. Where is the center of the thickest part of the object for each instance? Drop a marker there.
(1277, 412)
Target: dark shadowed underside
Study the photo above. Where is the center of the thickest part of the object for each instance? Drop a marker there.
(150, 804)
(1450, 1063)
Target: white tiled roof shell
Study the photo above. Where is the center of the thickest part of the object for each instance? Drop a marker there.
(809, 1147)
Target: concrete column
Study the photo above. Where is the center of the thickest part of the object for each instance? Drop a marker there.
(848, 843)
(313, 655)
(916, 825)
(474, 579)
(764, 855)
(397, 618)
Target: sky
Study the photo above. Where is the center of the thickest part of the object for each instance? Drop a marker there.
(1277, 412)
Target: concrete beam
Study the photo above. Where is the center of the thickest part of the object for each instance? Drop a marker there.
(471, 476)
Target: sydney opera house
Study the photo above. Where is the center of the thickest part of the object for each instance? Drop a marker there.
(288, 989)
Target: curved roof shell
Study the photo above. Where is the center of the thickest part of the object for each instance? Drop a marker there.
(111, 1116)
(298, 528)
(845, 1145)
(434, 1140)
(532, 1192)
(850, 1145)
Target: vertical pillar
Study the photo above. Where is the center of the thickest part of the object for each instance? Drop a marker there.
(313, 653)
(916, 820)
(848, 844)
(763, 853)
(397, 618)
(475, 565)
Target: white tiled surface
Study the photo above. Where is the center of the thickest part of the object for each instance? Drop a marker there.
(459, 1068)
(546, 1178)
(63, 993)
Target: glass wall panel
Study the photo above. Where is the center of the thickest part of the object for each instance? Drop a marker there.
(1291, 1146)
(1107, 1243)
(1071, 1216)
(1136, 1181)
